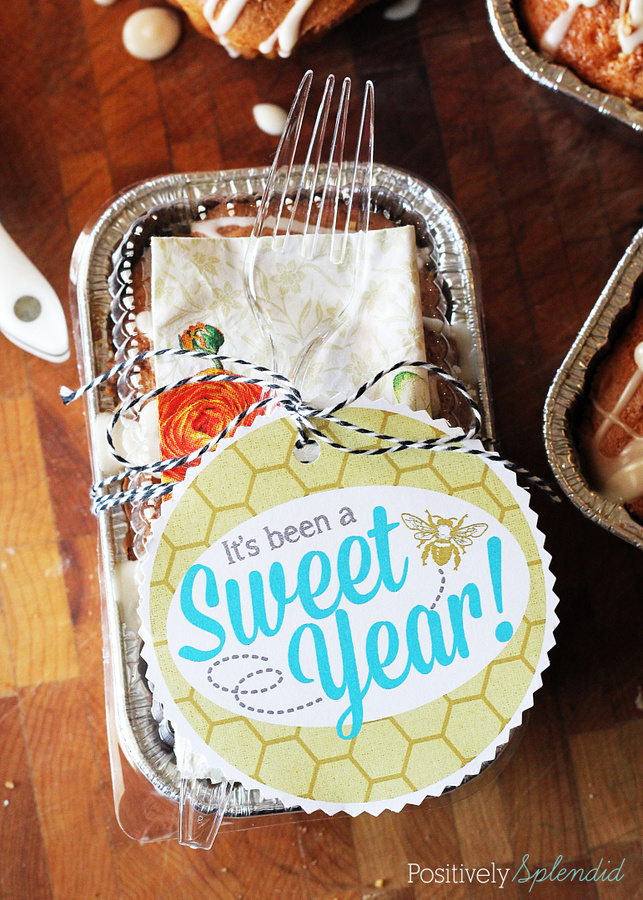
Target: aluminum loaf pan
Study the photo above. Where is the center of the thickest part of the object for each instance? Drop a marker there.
(569, 390)
(559, 78)
(133, 713)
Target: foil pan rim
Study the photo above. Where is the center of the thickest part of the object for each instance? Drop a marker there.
(568, 388)
(456, 264)
(556, 77)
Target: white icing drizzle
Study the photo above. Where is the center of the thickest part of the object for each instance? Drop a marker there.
(556, 32)
(285, 36)
(209, 7)
(621, 477)
(629, 28)
(144, 323)
(232, 51)
(140, 436)
(230, 12)
(213, 227)
(630, 25)
(105, 460)
(287, 33)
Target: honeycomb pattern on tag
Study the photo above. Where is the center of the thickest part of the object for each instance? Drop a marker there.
(390, 757)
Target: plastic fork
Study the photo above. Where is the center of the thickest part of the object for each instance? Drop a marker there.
(314, 200)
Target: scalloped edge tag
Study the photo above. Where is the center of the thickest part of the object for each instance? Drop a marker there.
(197, 619)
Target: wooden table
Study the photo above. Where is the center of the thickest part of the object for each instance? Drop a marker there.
(552, 198)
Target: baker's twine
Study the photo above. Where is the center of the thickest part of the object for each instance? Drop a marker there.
(278, 390)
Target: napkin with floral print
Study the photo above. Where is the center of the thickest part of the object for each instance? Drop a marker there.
(199, 302)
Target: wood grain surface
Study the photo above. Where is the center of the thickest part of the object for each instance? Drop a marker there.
(552, 196)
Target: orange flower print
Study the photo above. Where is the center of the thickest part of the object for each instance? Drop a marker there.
(191, 415)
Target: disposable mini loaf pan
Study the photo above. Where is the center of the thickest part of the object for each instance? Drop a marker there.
(140, 738)
(507, 29)
(569, 391)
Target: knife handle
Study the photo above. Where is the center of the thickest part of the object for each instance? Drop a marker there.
(31, 315)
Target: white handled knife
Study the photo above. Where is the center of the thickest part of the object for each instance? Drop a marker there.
(31, 315)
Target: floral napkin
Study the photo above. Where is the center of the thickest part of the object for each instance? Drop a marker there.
(199, 302)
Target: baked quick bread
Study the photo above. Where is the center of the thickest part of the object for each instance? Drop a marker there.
(600, 40)
(612, 427)
(269, 27)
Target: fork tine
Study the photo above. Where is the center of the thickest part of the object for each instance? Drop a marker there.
(310, 198)
(284, 158)
(308, 181)
(332, 182)
(361, 186)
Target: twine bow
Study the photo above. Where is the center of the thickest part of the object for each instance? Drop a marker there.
(278, 390)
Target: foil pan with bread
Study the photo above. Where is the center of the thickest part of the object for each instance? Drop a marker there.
(593, 415)
(591, 51)
(111, 279)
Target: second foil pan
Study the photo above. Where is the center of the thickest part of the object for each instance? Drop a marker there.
(568, 392)
(506, 27)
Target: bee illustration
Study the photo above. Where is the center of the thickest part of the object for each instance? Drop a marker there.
(442, 539)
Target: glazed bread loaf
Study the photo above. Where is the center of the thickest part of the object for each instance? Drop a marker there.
(612, 427)
(600, 40)
(269, 27)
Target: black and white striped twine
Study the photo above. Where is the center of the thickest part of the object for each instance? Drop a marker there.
(277, 389)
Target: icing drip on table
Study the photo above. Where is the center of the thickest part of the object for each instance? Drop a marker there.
(151, 33)
(403, 9)
(285, 36)
(270, 118)
(630, 25)
(621, 477)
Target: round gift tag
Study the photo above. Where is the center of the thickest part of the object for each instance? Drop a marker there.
(354, 633)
